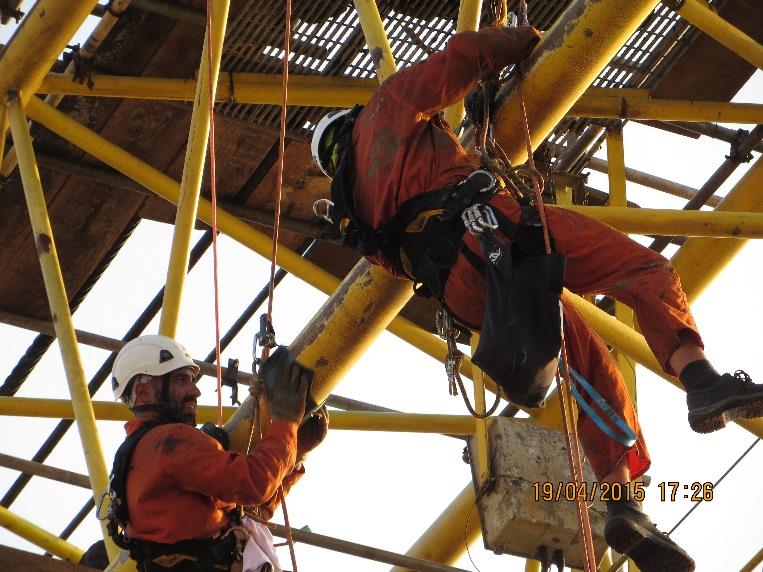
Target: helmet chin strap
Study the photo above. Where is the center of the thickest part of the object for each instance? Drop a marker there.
(162, 408)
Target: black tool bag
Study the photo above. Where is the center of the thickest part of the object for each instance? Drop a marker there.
(520, 338)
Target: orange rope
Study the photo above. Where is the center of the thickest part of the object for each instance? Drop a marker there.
(565, 398)
(276, 232)
(213, 193)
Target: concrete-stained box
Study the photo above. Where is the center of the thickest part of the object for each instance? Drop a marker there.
(515, 520)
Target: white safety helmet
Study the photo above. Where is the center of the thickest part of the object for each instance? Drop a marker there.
(317, 145)
(148, 355)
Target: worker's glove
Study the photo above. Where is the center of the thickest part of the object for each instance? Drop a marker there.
(217, 433)
(287, 384)
(312, 432)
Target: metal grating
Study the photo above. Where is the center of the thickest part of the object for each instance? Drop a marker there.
(327, 40)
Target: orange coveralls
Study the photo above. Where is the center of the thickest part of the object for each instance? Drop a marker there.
(181, 483)
(403, 147)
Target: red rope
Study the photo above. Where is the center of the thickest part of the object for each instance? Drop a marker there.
(281, 151)
(276, 231)
(565, 398)
(213, 193)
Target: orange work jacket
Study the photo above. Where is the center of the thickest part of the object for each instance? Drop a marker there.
(402, 147)
(181, 482)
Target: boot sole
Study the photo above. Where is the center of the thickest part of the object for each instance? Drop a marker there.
(725, 412)
(649, 554)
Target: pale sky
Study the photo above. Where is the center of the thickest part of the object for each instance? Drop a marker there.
(384, 489)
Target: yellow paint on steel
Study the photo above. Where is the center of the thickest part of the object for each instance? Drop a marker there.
(340, 420)
(38, 42)
(39, 536)
(342, 329)
(376, 38)
(468, 19)
(563, 65)
(616, 161)
(700, 260)
(533, 566)
(193, 169)
(617, 198)
(481, 458)
(669, 222)
(704, 18)
(667, 110)
(634, 345)
(255, 88)
(59, 306)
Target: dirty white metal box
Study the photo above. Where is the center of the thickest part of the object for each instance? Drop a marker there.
(514, 515)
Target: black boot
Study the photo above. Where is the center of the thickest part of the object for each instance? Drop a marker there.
(629, 531)
(715, 400)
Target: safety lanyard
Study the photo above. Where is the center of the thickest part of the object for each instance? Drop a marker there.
(626, 436)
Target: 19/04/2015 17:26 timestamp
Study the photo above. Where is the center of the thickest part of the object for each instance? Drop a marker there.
(672, 490)
(590, 491)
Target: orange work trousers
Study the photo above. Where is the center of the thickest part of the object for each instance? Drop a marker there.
(599, 260)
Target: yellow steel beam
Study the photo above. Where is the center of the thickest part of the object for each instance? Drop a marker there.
(232, 87)
(667, 110)
(700, 260)
(565, 62)
(38, 42)
(40, 537)
(616, 160)
(193, 168)
(59, 306)
(481, 457)
(617, 198)
(468, 19)
(254, 88)
(340, 420)
(669, 222)
(376, 38)
(44, 32)
(701, 15)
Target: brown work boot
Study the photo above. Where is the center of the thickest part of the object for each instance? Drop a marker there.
(629, 531)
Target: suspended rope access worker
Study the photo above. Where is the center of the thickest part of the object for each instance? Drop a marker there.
(175, 489)
(400, 183)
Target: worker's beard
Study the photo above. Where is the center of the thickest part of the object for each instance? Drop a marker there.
(183, 414)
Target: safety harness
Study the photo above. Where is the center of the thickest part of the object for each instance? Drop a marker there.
(423, 239)
(198, 555)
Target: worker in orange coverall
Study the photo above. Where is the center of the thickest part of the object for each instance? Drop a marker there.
(181, 484)
(401, 147)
